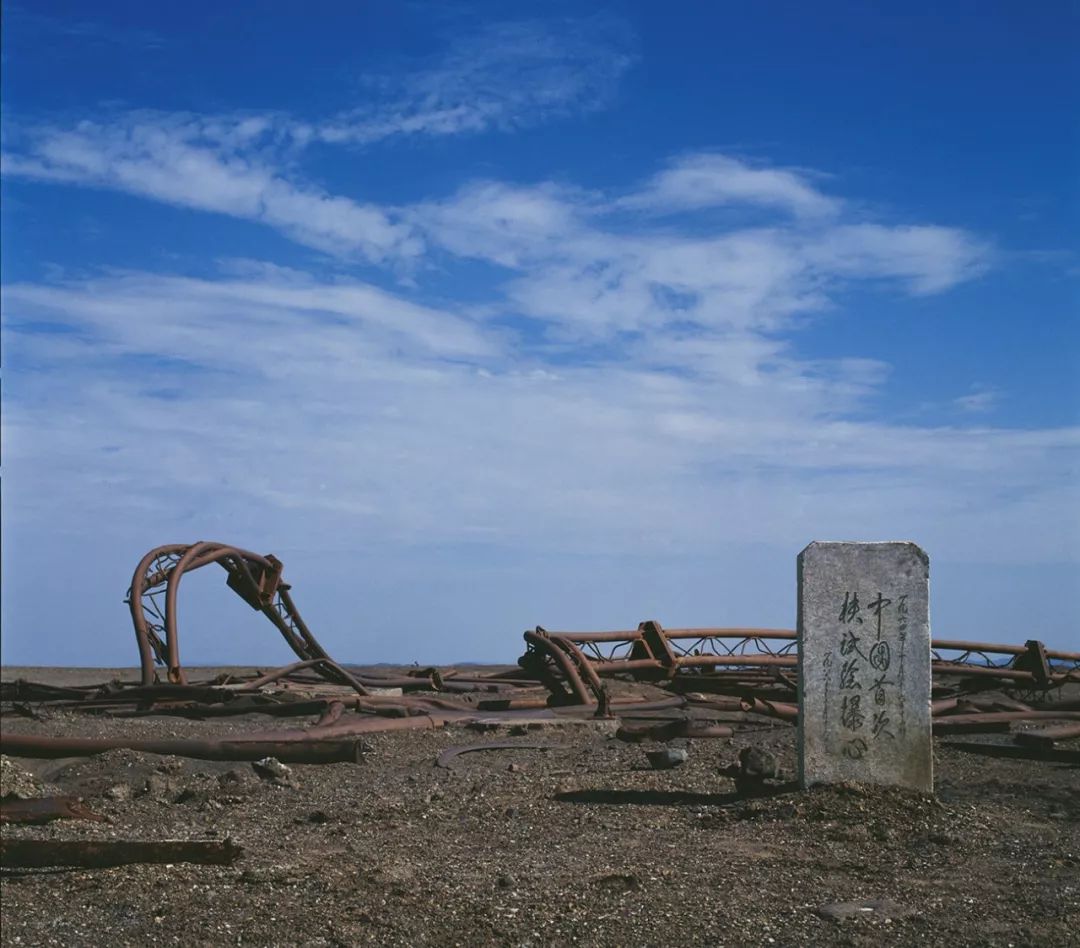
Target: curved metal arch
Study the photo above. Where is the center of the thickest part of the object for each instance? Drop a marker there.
(255, 578)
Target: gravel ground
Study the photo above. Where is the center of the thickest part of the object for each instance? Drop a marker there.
(580, 844)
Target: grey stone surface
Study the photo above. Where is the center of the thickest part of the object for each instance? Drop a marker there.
(864, 665)
(881, 908)
(667, 757)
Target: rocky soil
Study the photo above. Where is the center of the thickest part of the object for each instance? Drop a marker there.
(582, 843)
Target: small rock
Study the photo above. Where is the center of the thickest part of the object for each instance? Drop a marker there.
(160, 788)
(270, 768)
(171, 765)
(757, 764)
(667, 757)
(617, 880)
(16, 783)
(871, 908)
(515, 768)
(190, 794)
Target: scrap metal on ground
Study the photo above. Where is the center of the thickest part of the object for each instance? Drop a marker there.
(674, 682)
(34, 853)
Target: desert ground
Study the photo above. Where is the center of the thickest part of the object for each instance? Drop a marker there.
(580, 842)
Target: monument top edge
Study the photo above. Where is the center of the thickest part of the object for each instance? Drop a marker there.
(918, 550)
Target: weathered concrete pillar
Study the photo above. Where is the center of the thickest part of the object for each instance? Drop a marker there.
(864, 665)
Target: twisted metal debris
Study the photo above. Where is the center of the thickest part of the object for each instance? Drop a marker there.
(255, 579)
(753, 656)
(700, 682)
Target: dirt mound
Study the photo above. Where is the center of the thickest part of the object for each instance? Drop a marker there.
(18, 783)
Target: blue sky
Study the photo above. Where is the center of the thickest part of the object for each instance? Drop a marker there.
(487, 315)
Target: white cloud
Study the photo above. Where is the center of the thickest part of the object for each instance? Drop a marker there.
(345, 410)
(280, 312)
(506, 75)
(507, 225)
(709, 180)
(591, 276)
(350, 430)
(620, 380)
(977, 401)
(928, 259)
(202, 164)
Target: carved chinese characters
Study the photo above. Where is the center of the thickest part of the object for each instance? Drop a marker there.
(864, 665)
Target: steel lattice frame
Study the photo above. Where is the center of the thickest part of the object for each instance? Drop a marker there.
(152, 599)
(652, 653)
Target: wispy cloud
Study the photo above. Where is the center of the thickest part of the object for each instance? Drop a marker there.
(505, 76)
(336, 406)
(977, 401)
(628, 361)
(710, 180)
(212, 165)
(579, 265)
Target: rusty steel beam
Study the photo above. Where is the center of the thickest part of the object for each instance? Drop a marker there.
(1051, 754)
(29, 853)
(995, 720)
(291, 752)
(447, 757)
(1048, 736)
(651, 653)
(46, 809)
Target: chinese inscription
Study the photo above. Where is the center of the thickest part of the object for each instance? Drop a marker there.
(856, 662)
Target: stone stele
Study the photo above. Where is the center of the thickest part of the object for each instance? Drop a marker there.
(864, 665)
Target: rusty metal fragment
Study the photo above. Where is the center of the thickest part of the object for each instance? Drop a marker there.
(103, 853)
(447, 757)
(670, 730)
(47, 809)
(995, 720)
(1055, 755)
(1048, 737)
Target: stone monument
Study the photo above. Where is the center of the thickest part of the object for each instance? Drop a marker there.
(864, 665)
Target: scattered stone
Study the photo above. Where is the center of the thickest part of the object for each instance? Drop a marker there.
(617, 880)
(272, 874)
(118, 792)
(667, 757)
(16, 783)
(161, 787)
(233, 778)
(884, 909)
(755, 763)
(272, 769)
(172, 765)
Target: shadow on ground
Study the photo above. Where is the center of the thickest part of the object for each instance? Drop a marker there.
(672, 797)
